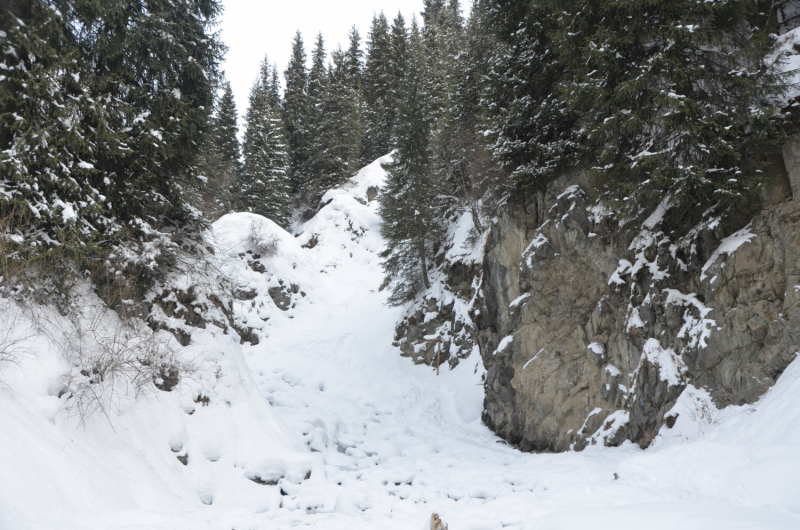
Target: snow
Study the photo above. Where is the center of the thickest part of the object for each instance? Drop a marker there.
(67, 210)
(386, 442)
(671, 368)
(728, 246)
(658, 214)
(633, 319)
(790, 63)
(597, 348)
(462, 248)
(505, 343)
(696, 327)
(519, 300)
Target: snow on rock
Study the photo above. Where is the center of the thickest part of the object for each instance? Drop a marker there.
(466, 245)
(519, 300)
(504, 344)
(728, 246)
(671, 367)
(696, 328)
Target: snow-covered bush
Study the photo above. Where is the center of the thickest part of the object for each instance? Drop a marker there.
(261, 239)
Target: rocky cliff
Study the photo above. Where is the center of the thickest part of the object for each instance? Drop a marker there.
(590, 331)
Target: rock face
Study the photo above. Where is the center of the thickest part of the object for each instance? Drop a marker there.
(589, 333)
(445, 317)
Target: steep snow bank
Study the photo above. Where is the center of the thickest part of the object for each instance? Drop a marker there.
(165, 460)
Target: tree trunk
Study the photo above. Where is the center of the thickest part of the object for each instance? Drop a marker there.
(476, 218)
(424, 264)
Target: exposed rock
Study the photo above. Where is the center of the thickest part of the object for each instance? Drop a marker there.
(282, 295)
(599, 334)
(447, 319)
(372, 193)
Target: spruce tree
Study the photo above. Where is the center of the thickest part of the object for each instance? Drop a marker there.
(673, 99)
(431, 10)
(264, 186)
(663, 101)
(100, 130)
(221, 162)
(398, 39)
(477, 181)
(443, 44)
(534, 128)
(336, 149)
(379, 111)
(295, 112)
(411, 222)
(317, 93)
(353, 60)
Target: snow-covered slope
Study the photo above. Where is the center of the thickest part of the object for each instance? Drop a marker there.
(386, 442)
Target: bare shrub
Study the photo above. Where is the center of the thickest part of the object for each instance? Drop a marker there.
(261, 240)
(12, 338)
(110, 360)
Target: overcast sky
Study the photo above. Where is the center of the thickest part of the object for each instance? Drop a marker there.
(254, 28)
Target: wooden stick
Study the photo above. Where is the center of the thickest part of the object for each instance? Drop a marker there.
(438, 352)
(438, 356)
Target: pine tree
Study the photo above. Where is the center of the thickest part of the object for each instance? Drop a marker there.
(317, 93)
(673, 99)
(295, 112)
(100, 130)
(337, 137)
(665, 101)
(221, 162)
(379, 111)
(411, 222)
(264, 186)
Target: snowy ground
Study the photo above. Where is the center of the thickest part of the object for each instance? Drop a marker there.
(386, 443)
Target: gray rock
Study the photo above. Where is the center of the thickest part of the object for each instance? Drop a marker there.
(544, 390)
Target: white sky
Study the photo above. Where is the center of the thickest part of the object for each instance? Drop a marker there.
(253, 28)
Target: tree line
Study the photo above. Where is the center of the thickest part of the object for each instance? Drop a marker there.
(331, 118)
(104, 107)
(116, 122)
